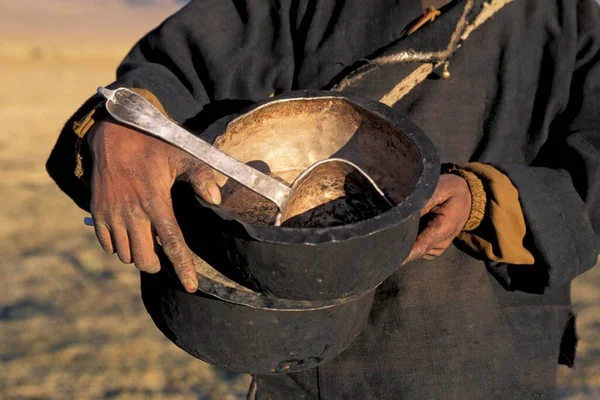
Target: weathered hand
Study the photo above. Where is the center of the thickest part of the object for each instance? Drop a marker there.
(131, 197)
(446, 214)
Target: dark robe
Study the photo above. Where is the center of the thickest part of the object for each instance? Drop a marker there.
(523, 96)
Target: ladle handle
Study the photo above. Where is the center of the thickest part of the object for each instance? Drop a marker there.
(134, 110)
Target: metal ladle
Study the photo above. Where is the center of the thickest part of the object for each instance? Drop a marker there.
(313, 193)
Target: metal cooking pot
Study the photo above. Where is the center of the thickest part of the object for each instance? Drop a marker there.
(247, 332)
(283, 136)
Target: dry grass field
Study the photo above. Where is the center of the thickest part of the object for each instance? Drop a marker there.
(72, 325)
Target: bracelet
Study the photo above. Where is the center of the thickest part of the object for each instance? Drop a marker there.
(478, 195)
(81, 128)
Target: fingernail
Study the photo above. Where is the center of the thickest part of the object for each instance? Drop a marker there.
(190, 285)
(214, 193)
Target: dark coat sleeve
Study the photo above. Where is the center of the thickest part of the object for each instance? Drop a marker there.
(560, 191)
(210, 59)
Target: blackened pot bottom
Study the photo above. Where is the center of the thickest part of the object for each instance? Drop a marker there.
(251, 340)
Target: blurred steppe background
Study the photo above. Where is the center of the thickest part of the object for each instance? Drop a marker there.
(72, 325)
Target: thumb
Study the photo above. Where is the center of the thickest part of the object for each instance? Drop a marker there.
(202, 179)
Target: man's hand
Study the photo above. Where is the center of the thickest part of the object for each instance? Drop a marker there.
(131, 197)
(446, 214)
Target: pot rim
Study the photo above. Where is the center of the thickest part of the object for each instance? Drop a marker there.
(224, 289)
(412, 204)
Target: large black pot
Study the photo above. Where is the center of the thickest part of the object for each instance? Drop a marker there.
(247, 332)
(286, 134)
(287, 299)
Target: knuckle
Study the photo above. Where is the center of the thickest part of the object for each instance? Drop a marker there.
(105, 215)
(203, 173)
(172, 243)
(174, 250)
(167, 227)
(182, 163)
(131, 210)
(101, 220)
(171, 239)
(98, 210)
(154, 199)
(147, 202)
